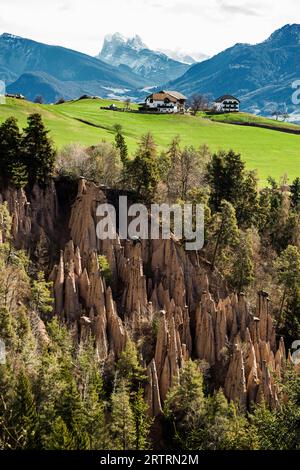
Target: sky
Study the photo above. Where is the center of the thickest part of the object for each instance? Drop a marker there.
(194, 26)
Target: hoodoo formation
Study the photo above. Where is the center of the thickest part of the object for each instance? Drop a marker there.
(196, 315)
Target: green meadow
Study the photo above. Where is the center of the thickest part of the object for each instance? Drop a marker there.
(268, 151)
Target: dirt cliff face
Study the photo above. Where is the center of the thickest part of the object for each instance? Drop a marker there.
(151, 281)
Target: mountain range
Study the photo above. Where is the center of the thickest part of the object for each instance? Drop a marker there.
(182, 56)
(154, 66)
(260, 75)
(32, 68)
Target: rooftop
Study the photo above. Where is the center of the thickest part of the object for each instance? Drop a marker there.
(173, 96)
(226, 97)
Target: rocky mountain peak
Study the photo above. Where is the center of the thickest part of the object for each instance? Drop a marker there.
(113, 41)
(154, 66)
(136, 42)
(9, 36)
(288, 35)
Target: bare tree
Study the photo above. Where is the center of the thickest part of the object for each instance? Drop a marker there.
(198, 103)
(100, 163)
(186, 169)
(281, 113)
(276, 114)
(127, 103)
(285, 116)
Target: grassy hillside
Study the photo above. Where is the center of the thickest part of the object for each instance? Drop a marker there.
(246, 118)
(270, 152)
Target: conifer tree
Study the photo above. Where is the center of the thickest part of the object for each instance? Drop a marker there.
(295, 193)
(277, 429)
(142, 420)
(227, 232)
(38, 152)
(7, 331)
(7, 381)
(41, 296)
(288, 272)
(225, 175)
(92, 395)
(70, 408)
(122, 421)
(242, 271)
(120, 143)
(5, 223)
(185, 401)
(59, 437)
(13, 168)
(221, 427)
(129, 368)
(143, 170)
(24, 417)
(169, 164)
(229, 181)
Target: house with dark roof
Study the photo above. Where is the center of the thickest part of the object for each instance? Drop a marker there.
(227, 104)
(164, 101)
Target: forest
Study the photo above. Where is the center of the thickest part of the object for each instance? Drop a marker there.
(57, 391)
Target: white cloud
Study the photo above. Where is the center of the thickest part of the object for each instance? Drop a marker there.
(202, 25)
(231, 7)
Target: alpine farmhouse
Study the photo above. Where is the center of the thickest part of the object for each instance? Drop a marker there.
(227, 104)
(164, 101)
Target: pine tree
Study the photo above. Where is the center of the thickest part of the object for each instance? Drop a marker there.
(13, 168)
(227, 233)
(6, 328)
(92, 395)
(71, 410)
(229, 181)
(221, 427)
(242, 271)
(185, 401)
(129, 368)
(225, 175)
(18, 174)
(120, 144)
(143, 170)
(38, 151)
(6, 396)
(290, 327)
(122, 421)
(5, 223)
(295, 193)
(170, 165)
(142, 420)
(59, 437)
(41, 296)
(288, 272)
(24, 417)
(277, 429)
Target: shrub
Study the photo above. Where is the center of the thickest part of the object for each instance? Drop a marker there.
(100, 164)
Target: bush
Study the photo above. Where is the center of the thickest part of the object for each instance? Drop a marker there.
(71, 161)
(107, 163)
(100, 164)
(105, 268)
(85, 97)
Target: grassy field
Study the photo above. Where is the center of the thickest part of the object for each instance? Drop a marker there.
(246, 118)
(269, 152)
